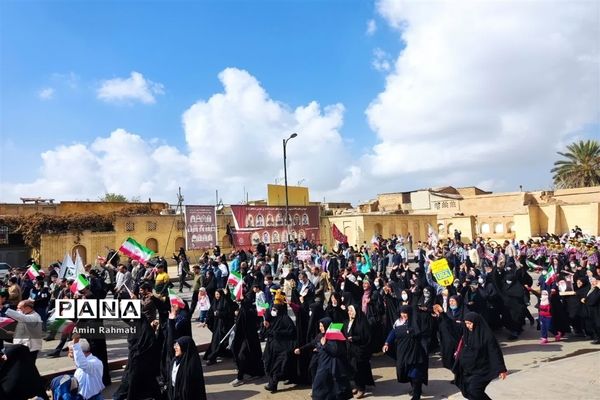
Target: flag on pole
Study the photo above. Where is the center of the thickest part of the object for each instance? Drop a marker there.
(67, 268)
(234, 278)
(136, 251)
(60, 325)
(261, 308)
(79, 268)
(80, 283)
(33, 271)
(175, 299)
(334, 332)
(5, 321)
(551, 275)
(338, 235)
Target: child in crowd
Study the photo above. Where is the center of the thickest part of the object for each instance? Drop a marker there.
(545, 316)
(204, 305)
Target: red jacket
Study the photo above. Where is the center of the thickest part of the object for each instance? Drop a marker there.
(545, 311)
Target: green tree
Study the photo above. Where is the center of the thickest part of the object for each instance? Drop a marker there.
(113, 197)
(580, 166)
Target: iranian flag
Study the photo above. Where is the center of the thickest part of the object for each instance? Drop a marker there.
(80, 283)
(261, 308)
(234, 278)
(334, 332)
(238, 290)
(551, 275)
(175, 299)
(5, 321)
(136, 251)
(60, 325)
(33, 271)
(531, 265)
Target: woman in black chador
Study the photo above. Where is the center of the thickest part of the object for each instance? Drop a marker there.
(358, 339)
(281, 340)
(219, 320)
(246, 344)
(450, 327)
(404, 345)
(479, 358)
(331, 380)
(19, 377)
(143, 366)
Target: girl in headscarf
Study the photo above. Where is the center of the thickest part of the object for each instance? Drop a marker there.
(450, 327)
(331, 380)
(219, 320)
(336, 310)
(19, 377)
(479, 358)
(513, 312)
(358, 339)
(312, 346)
(246, 344)
(280, 341)
(404, 341)
(424, 308)
(301, 310)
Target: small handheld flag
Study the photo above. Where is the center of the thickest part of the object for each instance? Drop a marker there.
(80, 283)
(334, 332)
(33, 271)
(175, 299)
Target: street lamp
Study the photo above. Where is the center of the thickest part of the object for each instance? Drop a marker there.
(287, 217)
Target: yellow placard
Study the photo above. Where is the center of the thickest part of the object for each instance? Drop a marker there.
(441, 272)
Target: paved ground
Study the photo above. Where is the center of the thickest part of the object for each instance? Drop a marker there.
(566, 369)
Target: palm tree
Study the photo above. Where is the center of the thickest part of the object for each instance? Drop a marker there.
(581, 168)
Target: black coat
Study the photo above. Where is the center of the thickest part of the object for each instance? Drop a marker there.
(333, 372)
(280, 342)
(246, 344)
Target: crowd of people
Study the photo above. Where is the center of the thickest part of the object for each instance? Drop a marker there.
(322, 318)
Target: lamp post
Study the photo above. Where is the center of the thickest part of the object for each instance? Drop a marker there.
(287, 222)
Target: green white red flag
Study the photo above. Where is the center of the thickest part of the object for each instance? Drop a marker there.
(238, 290)
(261, 308)
(334, 332)
(136, 251)
(175, 299)
(33, 271)
(234, 278)
(80, 283)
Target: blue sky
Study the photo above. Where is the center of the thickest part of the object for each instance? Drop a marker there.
(400, 114)
(299, 50)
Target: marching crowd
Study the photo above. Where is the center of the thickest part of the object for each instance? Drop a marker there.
(322, 317)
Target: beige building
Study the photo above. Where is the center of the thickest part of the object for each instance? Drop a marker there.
(499, 216)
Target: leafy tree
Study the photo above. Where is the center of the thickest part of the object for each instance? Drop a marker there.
(113, 197)
(580, 166)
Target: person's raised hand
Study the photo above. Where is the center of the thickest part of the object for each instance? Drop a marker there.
(503, 375)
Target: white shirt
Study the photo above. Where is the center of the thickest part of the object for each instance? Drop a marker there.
(28, 331)
(88, 373)
(174, 373)
(224, 271)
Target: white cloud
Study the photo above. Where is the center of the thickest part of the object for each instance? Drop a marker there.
(134, 88)
(234, 139)
(381, 60)
(46, 93)
(371, 27)
(484, 89)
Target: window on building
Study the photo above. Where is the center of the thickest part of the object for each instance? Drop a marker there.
(445, 204)
(436, 206)
(151, 226)
(485, 228)
(3, 234)
(440, 228)
(498, 228)
(510, 227)
(130, 226)
(180, 225)
(452, 204)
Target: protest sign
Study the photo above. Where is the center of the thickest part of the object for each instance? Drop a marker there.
(441, 272)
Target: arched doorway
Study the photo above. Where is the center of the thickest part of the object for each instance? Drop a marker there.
(179, 242)
(377, 229)
(152, 244)
(82, 253)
